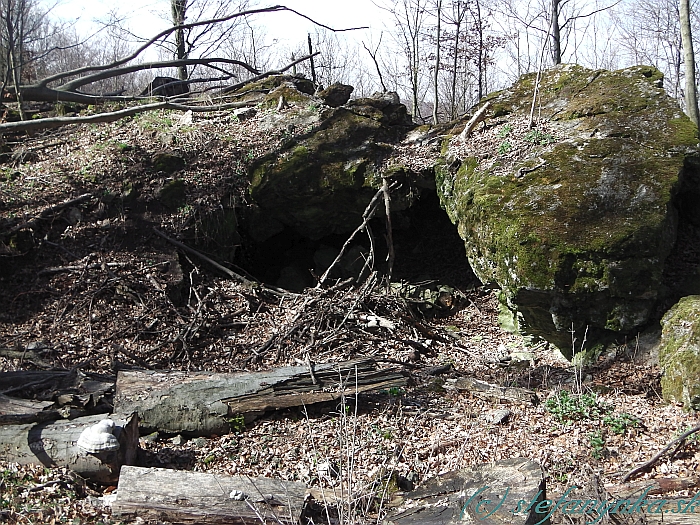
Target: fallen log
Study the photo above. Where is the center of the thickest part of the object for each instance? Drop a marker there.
(62, 386)
(203, 498)
(18, 411)
(53, 444)
(489, 493)
(654, 486)
(495, 393)
(205, 403)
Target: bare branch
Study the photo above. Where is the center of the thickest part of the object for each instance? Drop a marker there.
(592, 13)
(89, 79)
(234, 87)
(57, 122)
(169, 31)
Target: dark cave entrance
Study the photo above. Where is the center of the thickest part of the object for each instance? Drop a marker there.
(426, 244)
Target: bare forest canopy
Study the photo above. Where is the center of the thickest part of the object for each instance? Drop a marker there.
(441, 56)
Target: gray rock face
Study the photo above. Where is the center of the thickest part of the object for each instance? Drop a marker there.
(679, 354)
(574, 217)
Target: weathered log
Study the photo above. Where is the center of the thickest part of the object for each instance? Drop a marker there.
(496, 393)
(202, 498)
(67, 388)
(483, 494)
(53, 444)
(204, 403)
(17, 411)
(655, 486)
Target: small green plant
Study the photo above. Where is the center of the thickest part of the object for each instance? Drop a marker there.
(566, 407)
(237, 423)
(505, 131)
(536, 136)
(395, 391)
(597, 443)
(620, 424)
(504, 148)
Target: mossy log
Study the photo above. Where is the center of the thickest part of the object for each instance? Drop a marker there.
(205, 403)
(203, 498)
(53, 444)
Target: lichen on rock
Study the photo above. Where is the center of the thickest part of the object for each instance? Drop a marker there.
(574, 218)
(679, 354)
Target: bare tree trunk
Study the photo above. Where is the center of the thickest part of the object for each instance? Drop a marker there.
(311, 62)
(691, 100)
(179, 11)
(11, 26)
(455, 55)
(481, 62)
(437, 64)
(556, 33)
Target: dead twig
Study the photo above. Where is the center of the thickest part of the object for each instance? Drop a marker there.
(679, 440)
(49, 212)
(79, 268)
(233, 275)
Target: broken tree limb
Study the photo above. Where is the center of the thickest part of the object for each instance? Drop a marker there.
(653, 486)
(48, 212)
(209, 499)
(389, 229)
(205, 403)
(497, 393)
(21, 411)
(367, 215)
(678, 441)
(57, 122)
(53, 444)
(233, 275)
(478, 117)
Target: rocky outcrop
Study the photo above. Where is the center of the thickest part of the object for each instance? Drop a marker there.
(166, 87)
(574, 217)
(321, 180)
(679, 353)
(336, 94)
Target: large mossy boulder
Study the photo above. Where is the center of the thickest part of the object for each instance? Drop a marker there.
(573, 218)
(320, 182)
(679, 353)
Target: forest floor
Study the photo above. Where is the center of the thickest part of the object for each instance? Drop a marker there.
(90, 285)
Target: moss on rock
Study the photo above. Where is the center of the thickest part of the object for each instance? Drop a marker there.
(576, 230)
(321, 183)
(679, 354)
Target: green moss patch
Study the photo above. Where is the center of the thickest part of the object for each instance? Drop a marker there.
(575, 219)
(679, 355)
